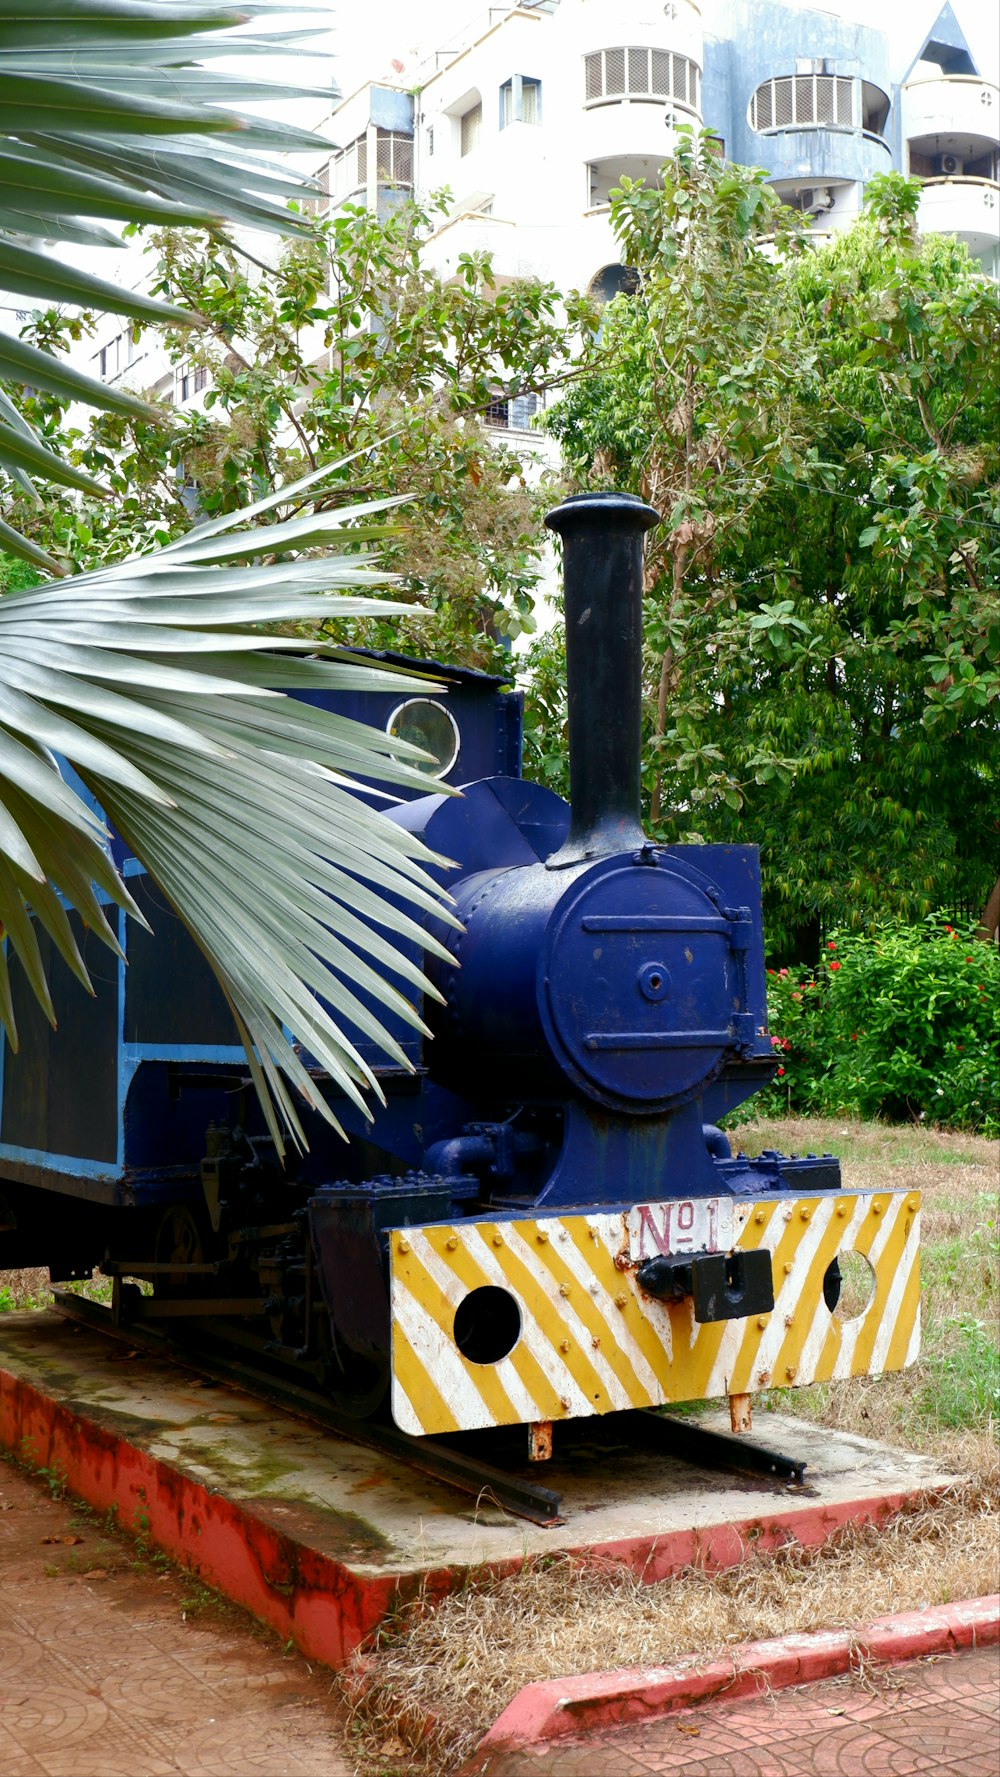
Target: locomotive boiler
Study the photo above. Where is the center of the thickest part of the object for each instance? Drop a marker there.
(544, 1221)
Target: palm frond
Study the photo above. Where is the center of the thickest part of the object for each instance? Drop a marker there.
(109, 113)
(154, 678)
(155, 681)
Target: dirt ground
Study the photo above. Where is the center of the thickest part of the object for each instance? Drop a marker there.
(112, 1665)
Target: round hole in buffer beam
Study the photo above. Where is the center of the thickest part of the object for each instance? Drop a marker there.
(849, 1286)
(487, 1324)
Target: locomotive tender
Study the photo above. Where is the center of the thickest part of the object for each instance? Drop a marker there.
(544, 1220)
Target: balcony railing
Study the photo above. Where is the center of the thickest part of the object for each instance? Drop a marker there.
(641, 74)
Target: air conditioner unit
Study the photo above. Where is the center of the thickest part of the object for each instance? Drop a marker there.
(949, 164)
(815, 198)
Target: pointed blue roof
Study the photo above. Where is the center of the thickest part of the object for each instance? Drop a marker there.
(946, 44)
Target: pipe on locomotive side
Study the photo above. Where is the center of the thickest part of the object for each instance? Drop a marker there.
(602, 537)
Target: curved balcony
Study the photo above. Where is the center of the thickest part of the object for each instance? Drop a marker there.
(957, 114)
(823, 156)
(969, 208)
(632, 128)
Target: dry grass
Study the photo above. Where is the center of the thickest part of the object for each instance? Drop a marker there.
(437, 1681)
(441, 1674)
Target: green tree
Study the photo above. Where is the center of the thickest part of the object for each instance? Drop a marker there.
(350, 347)
(153, 676)
(822, 621)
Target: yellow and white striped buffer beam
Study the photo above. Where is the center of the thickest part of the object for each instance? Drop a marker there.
(513, 1322)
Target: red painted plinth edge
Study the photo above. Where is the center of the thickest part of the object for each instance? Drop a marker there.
(562, 1707)
(311, 1598)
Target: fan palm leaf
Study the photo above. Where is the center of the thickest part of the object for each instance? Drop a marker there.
(153, 679)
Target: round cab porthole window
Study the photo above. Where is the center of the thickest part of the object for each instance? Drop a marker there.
(427, 724)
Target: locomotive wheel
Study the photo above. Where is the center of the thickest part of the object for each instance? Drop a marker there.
(357, 1386)
(178, 1239)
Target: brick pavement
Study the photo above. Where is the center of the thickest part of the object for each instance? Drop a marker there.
(939, 1716)
(111, 1668)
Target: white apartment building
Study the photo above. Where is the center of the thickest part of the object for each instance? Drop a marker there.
(539, 108)
(535, 110)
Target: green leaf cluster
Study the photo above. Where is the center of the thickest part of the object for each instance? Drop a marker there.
(819, 426)
(349, 346)
(900, 1024)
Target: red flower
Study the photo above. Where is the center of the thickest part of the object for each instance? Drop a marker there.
(798, 996)
(785, 1043)
(781, 1070)
(968, 959)
(782, 972)
(950, 929)
(854, 1036)
(835, 965)
(770, 971)
(830, 944)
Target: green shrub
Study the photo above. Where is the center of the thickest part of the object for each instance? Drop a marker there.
(902, 1024)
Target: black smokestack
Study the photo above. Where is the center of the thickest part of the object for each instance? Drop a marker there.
(602, 573)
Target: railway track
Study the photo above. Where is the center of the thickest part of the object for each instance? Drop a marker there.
(225, 1361)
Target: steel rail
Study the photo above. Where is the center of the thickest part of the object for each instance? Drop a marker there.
(524, 1499)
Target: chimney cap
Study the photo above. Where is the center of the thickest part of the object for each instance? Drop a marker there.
(605, 506)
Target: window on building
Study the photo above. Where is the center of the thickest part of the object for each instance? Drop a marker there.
(520, 101)
(183, 385)
(200, 378)
(812, 101)
(394, 158)
(515, 415)
(637, 72)
(471, 128)
(612, 281)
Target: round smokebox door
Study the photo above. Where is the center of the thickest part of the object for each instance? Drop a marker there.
(640, 986)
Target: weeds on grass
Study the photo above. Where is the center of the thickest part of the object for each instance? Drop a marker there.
(962, 1385)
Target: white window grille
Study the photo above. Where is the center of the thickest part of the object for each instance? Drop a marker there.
(520, 101)
(805, 101)
(638, 72)
(394, 158)
(471, 128)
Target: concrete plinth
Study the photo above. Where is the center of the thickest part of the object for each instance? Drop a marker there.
(320, 1537)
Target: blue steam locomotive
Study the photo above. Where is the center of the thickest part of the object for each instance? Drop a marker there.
(544, 1220)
